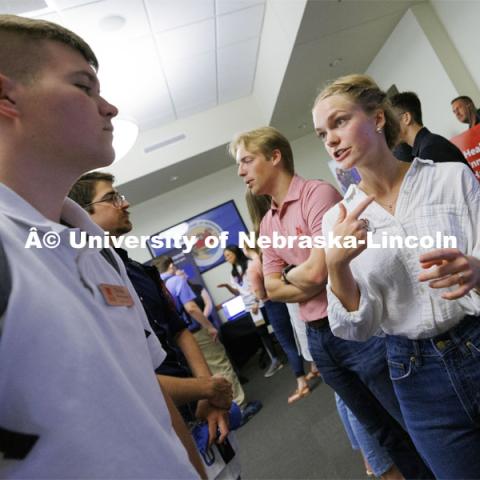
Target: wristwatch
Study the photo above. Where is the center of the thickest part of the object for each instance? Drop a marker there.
(285, 271)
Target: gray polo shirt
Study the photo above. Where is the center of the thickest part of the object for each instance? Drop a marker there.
(77, 375)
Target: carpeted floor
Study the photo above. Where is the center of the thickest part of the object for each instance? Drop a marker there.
(305, 440)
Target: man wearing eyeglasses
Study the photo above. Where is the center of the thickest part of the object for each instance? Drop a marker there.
(109, 210)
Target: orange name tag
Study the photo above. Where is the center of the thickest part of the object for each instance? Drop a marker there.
(116, 295)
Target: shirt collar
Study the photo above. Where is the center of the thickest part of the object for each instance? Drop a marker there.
(422, 133)
(18, 209)
(293, 193)
(417, 163)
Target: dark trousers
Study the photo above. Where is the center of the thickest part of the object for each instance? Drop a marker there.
(358, 372)
(279, 318)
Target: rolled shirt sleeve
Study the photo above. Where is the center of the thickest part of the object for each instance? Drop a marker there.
(362, 323)
(471, 187)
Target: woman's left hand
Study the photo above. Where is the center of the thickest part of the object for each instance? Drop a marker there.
(452, 268)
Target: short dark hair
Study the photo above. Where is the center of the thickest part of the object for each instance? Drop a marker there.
(83, 190)
(408, 102)
(465, 99)
(22, 47)
(163, 263)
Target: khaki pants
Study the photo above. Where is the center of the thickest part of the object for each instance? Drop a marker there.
(217, 360)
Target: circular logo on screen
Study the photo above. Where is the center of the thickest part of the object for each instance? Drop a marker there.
(204, 256)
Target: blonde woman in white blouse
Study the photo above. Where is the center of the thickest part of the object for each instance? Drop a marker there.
(425, 300)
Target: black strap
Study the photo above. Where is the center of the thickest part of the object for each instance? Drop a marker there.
(108, 255)
(5, 283)
(6, 279)
(16, 445)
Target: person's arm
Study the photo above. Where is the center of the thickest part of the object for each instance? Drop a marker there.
(208, 302)
(187, 297)
(213, 393)
(279, 291)
(216, 418)
(355, 309)
(311, 275)
(341, 280)
(201, 390)
(184, 435)
(307, 279)
(256, 280)
(185, 390)
(232, 290)
(452, 268)
(218, 389)
(192, 309)
(194, 356)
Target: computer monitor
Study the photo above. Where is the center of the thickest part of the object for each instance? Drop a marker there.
(233, 308)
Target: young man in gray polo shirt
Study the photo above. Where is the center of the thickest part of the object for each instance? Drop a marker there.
(78, 393)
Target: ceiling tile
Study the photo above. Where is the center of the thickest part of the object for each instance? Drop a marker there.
(235, 79)
(53, 17)
(167, 14)
(201, 105)
(108, 21)
(236, 69)
(226, 6)
(192, 80)
(245, 51)
(17, 7)
(63, 4)
(239, 26)
(132, 80)
(187, 41)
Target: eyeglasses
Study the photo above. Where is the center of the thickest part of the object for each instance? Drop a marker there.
(114, 198)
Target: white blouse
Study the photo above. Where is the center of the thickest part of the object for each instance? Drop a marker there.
(245, 290)
(434, 197)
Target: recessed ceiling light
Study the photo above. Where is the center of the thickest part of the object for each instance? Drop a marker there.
(335, 62)
(174, 178)
(112, 23)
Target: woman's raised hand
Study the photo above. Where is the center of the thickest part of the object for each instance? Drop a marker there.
(349, 225)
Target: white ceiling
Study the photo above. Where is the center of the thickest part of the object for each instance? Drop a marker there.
(162, 60)
(335, 38)
(201, 70)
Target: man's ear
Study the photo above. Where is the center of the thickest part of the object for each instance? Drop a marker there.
(407, 119)
(8, 107)
(276, 157)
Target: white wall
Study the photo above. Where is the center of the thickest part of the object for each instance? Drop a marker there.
(408, 60)
(169, 209)
(460, 18)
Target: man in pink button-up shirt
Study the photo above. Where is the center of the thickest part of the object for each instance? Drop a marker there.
(356, 371)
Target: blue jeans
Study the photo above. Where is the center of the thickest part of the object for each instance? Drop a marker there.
(279, 319)
(437, 382)
(376, 456)
(358, 372)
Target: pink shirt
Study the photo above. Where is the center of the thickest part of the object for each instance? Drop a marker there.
(301, 213)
